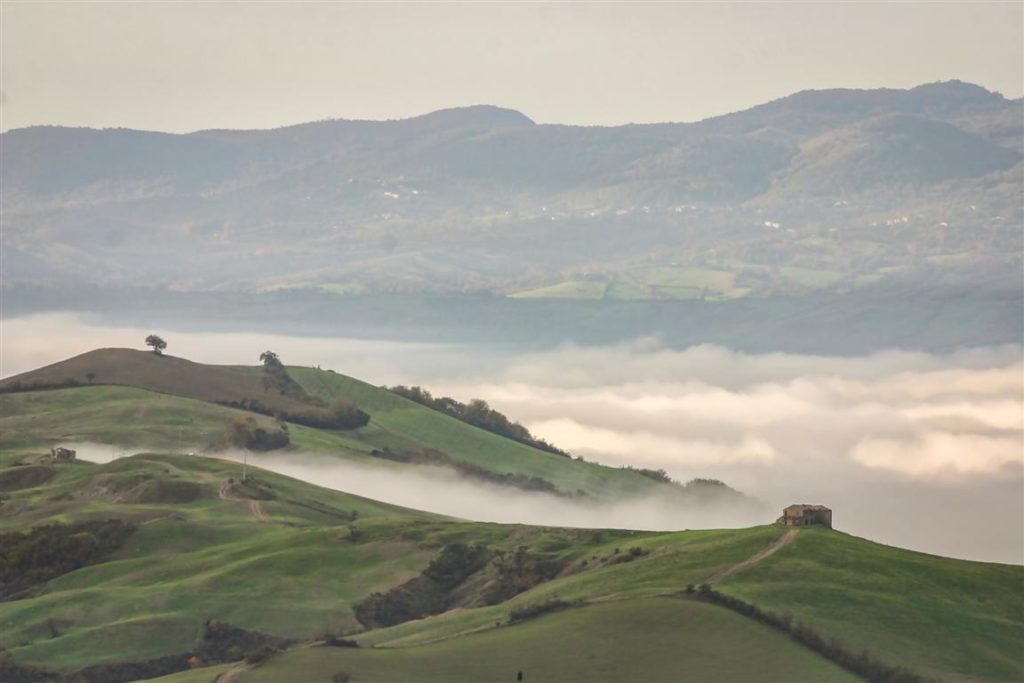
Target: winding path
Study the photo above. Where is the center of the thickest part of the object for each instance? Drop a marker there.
(255, 507)
(765, 552)
(230, 674)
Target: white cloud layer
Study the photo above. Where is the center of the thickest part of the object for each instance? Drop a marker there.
(909, 448)
(935, 441)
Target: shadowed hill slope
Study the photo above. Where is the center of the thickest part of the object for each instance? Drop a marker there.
(161, 373)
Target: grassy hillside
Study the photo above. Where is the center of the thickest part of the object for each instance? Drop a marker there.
(140, 399)
(293, 560)
(424, 595)
(286, 565)
(655, 639)
(951, 615)
(160, 373)
(399, 423)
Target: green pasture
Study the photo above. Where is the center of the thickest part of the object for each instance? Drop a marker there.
(945, 617)
(651, 640)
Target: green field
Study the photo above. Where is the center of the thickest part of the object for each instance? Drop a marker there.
(297, 568)
(399, 423)
(571, 289)
(166, 404)
(289, 559)
(951, 615)
(651, 640)
(810, 277)
(677, 282)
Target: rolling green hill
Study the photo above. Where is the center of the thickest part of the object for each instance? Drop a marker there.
(291, 560)
(653, 639)
(142, 400)
(169, 564)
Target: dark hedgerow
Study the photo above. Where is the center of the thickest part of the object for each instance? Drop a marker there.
(31, 558)
(863, 664)
(537, 609)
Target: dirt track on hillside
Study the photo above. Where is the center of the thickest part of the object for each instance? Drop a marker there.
(255, 507)
(768, 551)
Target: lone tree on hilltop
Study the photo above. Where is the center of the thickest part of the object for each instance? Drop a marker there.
(270, 359)
(157, 343)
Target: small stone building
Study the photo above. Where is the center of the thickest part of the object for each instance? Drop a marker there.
(62, 455)
(805, 515)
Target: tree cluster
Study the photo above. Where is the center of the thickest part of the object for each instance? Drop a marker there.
(276, 378)
(656, 475)
(223, 642)
(429, 593)
(477, 413)
(247, 433)
(30, 558)
(339, 415)
(519, 571)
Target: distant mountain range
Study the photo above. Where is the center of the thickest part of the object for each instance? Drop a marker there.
(831, 189)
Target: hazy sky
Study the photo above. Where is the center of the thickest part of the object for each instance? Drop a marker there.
(184, 66)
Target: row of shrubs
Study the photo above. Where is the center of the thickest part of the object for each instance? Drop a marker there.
(656, 475)
(863, 664)
(219, 642)
(246, 432)
(339, 415)
(537, 609)
(17, 385)
(479, 414)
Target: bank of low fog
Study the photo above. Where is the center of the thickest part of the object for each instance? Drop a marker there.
(913, 449)
(445, 492)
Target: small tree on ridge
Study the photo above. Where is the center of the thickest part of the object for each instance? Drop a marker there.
(157, 343)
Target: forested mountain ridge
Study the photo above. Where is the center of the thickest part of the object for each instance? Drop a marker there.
(821, 189)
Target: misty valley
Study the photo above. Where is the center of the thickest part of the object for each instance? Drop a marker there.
(471, 397)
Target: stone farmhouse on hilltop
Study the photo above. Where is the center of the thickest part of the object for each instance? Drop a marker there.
(804, 515)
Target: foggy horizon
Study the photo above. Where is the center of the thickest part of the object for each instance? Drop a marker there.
(506, 107)
(575, 64)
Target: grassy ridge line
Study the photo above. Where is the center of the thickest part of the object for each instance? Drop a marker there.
(164, 374)
(396, 423)
(297, 573)
(188, 562)
(881, 619)
(290, 576)
(401, 423)
(135, 418)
